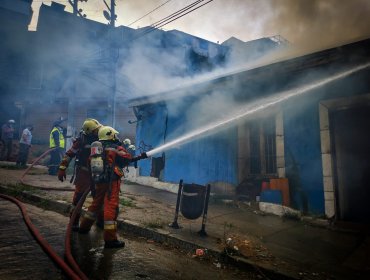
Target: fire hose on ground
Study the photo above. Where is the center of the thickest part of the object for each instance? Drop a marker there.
(40, 239)
(67, 243)
(36, 161)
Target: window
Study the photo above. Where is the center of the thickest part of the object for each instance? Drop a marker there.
(262, 147)
(270, 146)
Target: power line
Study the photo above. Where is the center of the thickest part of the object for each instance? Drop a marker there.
(166, 20)
(149, 12)
(184, 14)
(177, 15)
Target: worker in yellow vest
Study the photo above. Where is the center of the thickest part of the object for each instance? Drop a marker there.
(57, 141)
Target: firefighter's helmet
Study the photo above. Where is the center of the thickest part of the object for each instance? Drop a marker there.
(127, 142)
(90, 125)
(108, 133)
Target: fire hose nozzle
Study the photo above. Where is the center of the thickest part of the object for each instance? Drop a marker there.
(141, 156)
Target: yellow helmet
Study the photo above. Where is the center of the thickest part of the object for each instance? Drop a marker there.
(107, 133)
(90, 125)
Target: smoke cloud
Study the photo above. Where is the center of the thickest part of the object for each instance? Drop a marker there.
(311, 24)
(145, 69)
(320, 22)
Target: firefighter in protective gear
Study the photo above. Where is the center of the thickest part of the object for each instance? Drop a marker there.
(115, 158)
(80, 150)
(56, 141)
(130, 148)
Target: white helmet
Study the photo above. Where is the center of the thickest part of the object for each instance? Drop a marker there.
(132, 147)
(127, 141)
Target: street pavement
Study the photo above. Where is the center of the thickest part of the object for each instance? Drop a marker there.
(279, 248)
(293, 248)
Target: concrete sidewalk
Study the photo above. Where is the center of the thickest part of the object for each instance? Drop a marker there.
(302, 249)
(278, 247)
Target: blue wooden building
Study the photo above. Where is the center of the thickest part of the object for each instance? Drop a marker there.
(319, 140)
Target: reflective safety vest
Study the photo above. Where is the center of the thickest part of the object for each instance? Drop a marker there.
(61, 138)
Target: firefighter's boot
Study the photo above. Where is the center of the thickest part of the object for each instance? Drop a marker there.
(100, 220)
(75, 223)
(110, 235)
(86, 223)
(114, 244)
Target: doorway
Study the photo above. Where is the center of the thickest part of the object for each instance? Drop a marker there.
(351, 142)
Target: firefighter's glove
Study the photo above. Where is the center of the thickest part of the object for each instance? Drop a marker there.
(62, 174)
(143, 155)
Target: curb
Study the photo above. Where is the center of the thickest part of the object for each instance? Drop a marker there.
(157, 235)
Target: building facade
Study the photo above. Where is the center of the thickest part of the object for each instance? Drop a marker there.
(317, 138)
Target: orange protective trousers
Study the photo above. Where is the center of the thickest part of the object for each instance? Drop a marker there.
(82, 182)
(107, 198)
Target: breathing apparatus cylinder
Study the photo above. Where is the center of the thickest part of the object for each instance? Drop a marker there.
(97, 162)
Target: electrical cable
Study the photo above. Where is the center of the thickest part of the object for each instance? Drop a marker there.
(149, 12)
(180, 13)
(41, 240)
(185, 14)
(168, 19)
(176, 13)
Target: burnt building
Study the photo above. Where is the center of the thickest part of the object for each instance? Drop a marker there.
(303, 120)
(83, 68)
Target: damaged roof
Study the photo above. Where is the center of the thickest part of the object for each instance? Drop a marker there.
(278, 74)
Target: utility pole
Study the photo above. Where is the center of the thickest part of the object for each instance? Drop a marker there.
(112, 13)
(76, 11)
(111, 17)
(73, 90)
(114, 66)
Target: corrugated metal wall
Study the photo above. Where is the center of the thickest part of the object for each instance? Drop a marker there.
(201, 161)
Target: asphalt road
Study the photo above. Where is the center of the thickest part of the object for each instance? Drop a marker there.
(22, 258)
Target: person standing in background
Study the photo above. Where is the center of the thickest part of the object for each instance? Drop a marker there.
(57, 141)
(24, 146)
(7, 134)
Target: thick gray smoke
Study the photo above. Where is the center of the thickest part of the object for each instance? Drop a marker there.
(317, 23)
(308, 25)
(313, 23)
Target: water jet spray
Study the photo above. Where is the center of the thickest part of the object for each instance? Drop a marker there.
(252, 108)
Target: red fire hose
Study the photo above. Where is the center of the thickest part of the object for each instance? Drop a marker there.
(43, 188)
(40, 239)
(36, 161)
(67, 242)
(67, 248)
